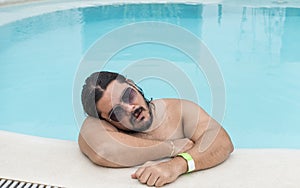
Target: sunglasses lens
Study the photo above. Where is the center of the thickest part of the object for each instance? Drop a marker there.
(117, 114)
(129, 96)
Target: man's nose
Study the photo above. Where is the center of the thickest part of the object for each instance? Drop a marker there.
(129, 108)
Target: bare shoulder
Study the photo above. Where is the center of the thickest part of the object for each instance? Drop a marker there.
(193, 118)
(170, 101)
(181, 107)
(178, 103)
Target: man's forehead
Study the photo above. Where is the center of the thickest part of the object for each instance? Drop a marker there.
(115, 87)
(111, 95)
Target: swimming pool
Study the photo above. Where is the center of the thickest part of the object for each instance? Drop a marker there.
(255, 48)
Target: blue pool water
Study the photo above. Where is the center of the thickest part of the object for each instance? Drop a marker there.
(257, 50)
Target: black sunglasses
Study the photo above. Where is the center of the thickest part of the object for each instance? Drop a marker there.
(128, 97)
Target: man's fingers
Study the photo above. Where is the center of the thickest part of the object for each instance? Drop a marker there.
(159, 182)
(145, 176)
(133, 176)
(138, 173)
(152, 179)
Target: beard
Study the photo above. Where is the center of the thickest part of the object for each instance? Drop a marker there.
(145, 126)
(142, 125)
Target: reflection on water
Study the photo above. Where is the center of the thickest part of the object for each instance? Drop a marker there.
(261, 34)
(291, 36)
(254, 34)
(270, 32)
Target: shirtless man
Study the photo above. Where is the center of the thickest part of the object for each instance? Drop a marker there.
(125, 129)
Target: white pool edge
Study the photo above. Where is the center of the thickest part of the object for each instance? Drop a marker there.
(60, 163)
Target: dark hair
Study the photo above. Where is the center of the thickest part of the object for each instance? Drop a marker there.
(94, 87)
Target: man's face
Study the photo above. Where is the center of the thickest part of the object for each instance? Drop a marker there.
(124, 107)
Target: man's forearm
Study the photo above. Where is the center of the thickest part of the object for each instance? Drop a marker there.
(131, 151)
(116, 149)
(211, 149)
(106, 146)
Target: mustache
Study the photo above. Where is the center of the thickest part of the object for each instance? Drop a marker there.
(146, 125)
(137, 112)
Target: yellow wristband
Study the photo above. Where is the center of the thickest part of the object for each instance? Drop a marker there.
(190, 161)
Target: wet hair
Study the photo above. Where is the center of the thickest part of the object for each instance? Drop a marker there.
(94, 87)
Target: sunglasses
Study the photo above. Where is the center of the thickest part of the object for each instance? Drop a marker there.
(128, 97)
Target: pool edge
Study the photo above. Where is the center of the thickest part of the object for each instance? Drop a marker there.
(60, 162)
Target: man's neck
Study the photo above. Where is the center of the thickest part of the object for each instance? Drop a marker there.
(157, 108)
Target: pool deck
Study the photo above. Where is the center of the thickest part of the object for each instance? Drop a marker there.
(60, 163)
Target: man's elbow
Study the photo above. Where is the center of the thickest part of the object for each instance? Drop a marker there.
(228, 143)
(101, 161)
(230, 147)
(98, 156)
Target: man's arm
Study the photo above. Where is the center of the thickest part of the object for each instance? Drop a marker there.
(106, 146)
(212, 143)
(212, 147)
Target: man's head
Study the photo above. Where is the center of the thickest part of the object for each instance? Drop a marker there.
(111, 97)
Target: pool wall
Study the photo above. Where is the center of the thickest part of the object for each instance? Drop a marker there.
(8, 7)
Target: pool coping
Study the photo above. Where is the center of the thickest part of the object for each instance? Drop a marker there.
(24, 9)
(60, 162)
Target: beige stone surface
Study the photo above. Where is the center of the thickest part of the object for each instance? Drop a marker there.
(61, 163)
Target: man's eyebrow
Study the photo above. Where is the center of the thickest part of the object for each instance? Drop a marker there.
(120, 100)
(122, 94)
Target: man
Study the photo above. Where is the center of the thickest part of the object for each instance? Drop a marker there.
(125, 129)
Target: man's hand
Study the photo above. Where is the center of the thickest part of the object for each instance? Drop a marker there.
(160, 173)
